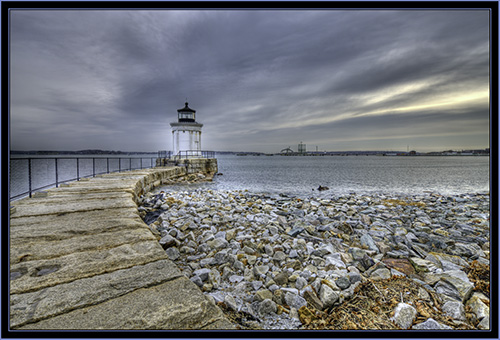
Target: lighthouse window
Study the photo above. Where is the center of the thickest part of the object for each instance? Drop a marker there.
(185, 116)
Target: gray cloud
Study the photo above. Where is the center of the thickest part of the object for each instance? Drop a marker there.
(260, 80)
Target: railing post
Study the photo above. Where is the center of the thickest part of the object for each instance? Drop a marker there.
(78, 169)
(57, 175)
(29, 175)
(93, 167)
(119, 165)
(130, 164)
(107, 164)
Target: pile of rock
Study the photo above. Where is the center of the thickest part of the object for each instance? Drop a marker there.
(274, 259)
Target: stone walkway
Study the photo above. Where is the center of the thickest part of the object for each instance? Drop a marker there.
(82, 258)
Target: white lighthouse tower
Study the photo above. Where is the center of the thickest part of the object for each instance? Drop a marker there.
(186, 133)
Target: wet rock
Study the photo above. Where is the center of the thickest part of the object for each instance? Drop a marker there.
(197, 280)
(239, 266)
(484, 324)
(401, 265)
(260, 270)
(217, 243)
(235, 278)
(466, 250)
(367, 241)
(279, 297)
(279, 256)
(333, 261)
(263, 294)
(422, 265)
(308, 251)
(454, 309)
(478, 307)
(313, 300)
(367, 262)
(173, 253)
(207, 262)
(354, 277)
(343, 282)
(202, 273)
(281, 279)
(267, 306)
(381, 274)
(294, 300)
(268, 250)
(168, 241)
(456, 285)
(404, 315)
(438, 258)
(295, 232)
(293, 254)
(300, 283)
(328, 296)
(231, 303)
(431, 324)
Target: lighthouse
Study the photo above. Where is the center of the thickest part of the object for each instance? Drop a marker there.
(186, 133)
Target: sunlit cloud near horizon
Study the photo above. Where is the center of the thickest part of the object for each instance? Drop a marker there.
(336, 80)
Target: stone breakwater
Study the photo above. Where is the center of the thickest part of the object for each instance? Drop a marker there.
(81, 257)
(280, 262)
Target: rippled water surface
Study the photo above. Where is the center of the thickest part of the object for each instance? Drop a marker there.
(299, 175)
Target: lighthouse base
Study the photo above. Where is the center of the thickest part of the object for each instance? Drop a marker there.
(207, 166)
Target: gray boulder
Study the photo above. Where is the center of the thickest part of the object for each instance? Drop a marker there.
(454, 309)
(294, 300)
(404, 315)
(430, 324)
(267, 307)
(367, 241)
(327, 296)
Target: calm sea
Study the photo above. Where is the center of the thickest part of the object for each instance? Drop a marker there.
(294, 175)
(299, 175)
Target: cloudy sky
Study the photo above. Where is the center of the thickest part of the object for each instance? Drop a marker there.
(260, 80)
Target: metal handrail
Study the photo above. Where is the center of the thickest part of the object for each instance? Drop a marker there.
(164, 154)
(31, 190)
(194, 154)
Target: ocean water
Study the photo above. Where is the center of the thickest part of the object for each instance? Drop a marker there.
(299, 175)
(293, 175)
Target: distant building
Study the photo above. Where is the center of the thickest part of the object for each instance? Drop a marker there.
(186, 133)
(302, 148)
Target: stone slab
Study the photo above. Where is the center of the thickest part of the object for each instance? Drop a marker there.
(64, 226)
(73, 194)
(38, 274)
(176, 304)
(39, 221)
(30, 248)
(53, 301)
(64, 206)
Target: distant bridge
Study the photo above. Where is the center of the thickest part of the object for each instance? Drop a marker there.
(287, 151)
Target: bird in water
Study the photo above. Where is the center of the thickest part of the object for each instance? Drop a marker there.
(321, 188)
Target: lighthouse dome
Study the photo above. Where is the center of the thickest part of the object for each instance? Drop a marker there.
(186, 114)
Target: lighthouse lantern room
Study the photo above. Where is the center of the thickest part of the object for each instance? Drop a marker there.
(186, 133)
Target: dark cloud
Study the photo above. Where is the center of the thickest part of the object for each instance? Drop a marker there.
(260, 80)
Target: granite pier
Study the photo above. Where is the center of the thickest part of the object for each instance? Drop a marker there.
(81, 257)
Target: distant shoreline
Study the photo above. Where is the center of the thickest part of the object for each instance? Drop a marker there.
(81, 152)
(322, 154)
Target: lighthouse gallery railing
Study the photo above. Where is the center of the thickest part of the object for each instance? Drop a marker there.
(194, 154)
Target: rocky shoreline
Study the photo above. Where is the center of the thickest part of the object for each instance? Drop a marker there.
(352, 261)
